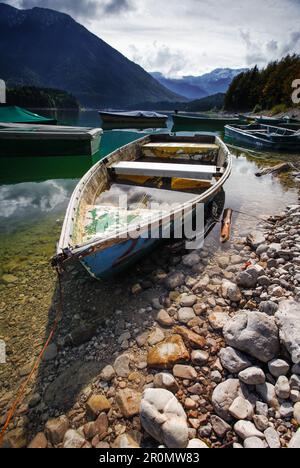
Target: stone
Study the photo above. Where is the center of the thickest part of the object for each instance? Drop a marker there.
(253, 333)
(267, 392)
(297, 412)
(185, 372)
(295, 396)
(246, 429)
(197, 444)
(220, 427)
(188, 301)
(9, 279)
(296, 369)
(218, 320)
(286, 410)
(39, 442)
(107, 374)
(98, 428)
(168, 353)
(129, 402)
(254, 443)
(216, 376)
(142, 339)
(262, 409)
(295, 382)
(157, 336)
(199, 358)
(55, 429)
(63, 392)
(191, 259)
(234, 361)
(163, 418)
(272, 438)
(164, 319)
(15, 439)
(121, 365)
(268, 307)
(96, 404)
(261, 422)
(193, 339)
(295, 442)
(174, 280)
(282, 388)
(223, 397)
(166, 381)
(50, 353)
(278, 367)
(241, 409)
(255, 239)
(82, 335)
(231, 291)
(252, 376)
(248, 278)
(126, 441)
(73, 440)
(185, 314)
(288, 321)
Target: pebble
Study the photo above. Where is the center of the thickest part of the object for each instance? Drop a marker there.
(129, 402)
(55, 429)
(199, 357)
(241, 409)
(254, 443)
(185, 372)
(272, 438)
(233, 360)
(166, 381)
(197, 444)
(252, 376)
(282, 388)
(107, 374)
(246, 429)
(185, 314)
(164, 319)
(166, 354)
(261, 422)
(297, 412)
(295, 441)
(157, 336)
(121, 365)
(188, 301)
(278, 367)
(220, 426)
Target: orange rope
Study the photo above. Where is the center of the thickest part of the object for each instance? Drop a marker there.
(21, 392)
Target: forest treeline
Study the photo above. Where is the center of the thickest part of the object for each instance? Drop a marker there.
(40, 98)
(265, 89)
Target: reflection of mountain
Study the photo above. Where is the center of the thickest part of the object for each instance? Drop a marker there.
(27, 200)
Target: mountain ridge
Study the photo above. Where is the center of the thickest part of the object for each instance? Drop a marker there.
(45, 48)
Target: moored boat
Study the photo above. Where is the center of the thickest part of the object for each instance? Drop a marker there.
(136, 196)
(264, 137)
(283, 122)
(135, 119)
(197, 122)
(18, 115)
(41, 140)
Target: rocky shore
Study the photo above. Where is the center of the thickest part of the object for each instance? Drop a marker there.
(207, 356)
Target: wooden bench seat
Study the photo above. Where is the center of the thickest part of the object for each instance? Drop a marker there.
(180, 150)
(183, 171)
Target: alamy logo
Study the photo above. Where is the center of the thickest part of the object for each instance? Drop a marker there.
(2, 352)
(296, 93)
(2, 92)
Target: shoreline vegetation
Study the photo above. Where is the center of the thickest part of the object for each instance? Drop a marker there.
(32, 97)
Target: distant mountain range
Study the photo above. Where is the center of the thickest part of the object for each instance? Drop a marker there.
(197, 87)
(44, 48)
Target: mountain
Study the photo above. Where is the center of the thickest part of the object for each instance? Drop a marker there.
(44, 48)
(197, 87)
(214, 102)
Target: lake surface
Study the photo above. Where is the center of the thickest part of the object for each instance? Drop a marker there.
(34, 193)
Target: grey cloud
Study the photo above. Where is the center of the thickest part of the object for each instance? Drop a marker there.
(82, 8)
(293, 44)
(272, 46)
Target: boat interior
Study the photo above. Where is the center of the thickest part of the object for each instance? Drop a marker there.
(145, 180)
(266, 130)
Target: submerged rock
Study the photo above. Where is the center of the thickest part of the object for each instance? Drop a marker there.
(163, 417)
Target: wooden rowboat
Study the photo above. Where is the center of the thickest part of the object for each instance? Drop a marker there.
(47, 140)
(135, 119)
(161, 178)
(198, 122)
(264, 137)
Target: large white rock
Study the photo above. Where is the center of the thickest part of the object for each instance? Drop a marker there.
(252, 376)
(234, 361)
(197, 444)
(246, 429)
(73, 440)
(254, 443)
(253, 333)
(295, 442)
(163, 417)
(288, 321)
(224, 396)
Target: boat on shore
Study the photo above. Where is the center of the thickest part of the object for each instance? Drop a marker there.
(18, 115)
(40, 140)
(134, 119)
(197, 122)
(137, 196)
(264, 137)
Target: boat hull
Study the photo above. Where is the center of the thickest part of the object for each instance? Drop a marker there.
(185, 122)
(275, 144)
(35, 146)
(111, 121)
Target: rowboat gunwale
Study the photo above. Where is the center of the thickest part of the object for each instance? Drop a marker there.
(64, 245)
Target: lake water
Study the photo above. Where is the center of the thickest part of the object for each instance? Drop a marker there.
(34, 193)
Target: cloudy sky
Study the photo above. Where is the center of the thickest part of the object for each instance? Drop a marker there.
(182, 37)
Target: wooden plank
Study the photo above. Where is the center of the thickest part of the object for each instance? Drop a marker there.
(183, 171)
(201, 147)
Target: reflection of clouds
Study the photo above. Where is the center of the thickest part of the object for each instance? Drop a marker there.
(23, 200)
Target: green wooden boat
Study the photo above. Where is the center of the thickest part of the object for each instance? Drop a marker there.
(284, 122)
(48, 140)
(196, 122)
(18, 115)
